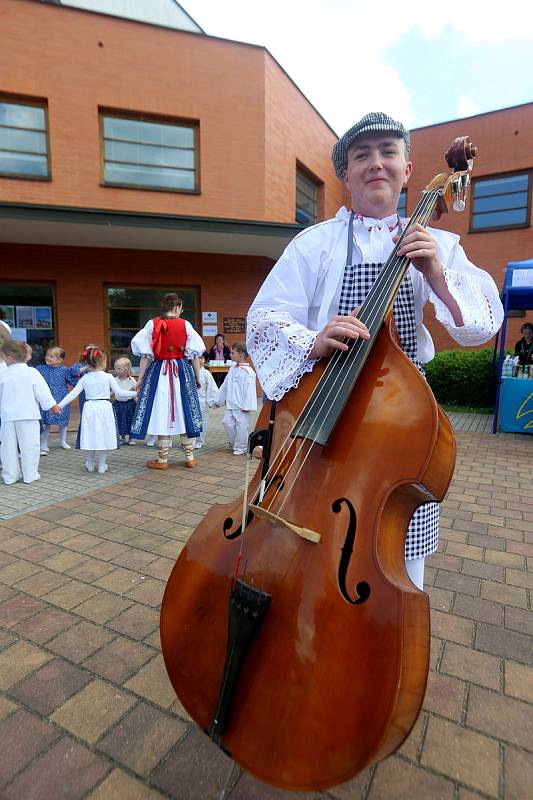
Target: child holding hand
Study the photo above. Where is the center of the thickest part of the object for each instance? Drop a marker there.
(23, 393)
(98, 429)
(59, 378)
(124, 409)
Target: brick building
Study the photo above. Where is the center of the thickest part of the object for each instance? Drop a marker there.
(138, 157)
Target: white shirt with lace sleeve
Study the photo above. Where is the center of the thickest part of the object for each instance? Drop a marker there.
(302, 293)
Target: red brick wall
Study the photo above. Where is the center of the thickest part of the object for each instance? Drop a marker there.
(294, 133)
(142, 68)
(505, 143)
(227, 283)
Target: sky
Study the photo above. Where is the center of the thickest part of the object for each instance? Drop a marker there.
(420, 62)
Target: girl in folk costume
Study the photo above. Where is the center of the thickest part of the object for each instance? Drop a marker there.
(124, 409)
(59, 378)
(207, 394)
(239, 394)
(98, 427)
(168, 397)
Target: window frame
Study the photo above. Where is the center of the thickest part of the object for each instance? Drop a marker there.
(162, 119)
(403, 193)
(495, 176)
(48, 285)
(319, 192)
(36, 102)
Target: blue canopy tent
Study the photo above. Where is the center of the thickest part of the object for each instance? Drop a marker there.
(516, 295)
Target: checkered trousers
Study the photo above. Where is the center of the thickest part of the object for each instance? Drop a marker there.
(423, 533)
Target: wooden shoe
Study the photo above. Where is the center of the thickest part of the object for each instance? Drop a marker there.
(157, 464)
(192, 463)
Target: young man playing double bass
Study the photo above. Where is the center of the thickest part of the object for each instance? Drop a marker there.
(306, 304)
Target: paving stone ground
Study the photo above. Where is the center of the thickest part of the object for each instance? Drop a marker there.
(87, 710)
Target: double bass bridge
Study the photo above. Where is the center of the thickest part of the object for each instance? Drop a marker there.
(304, 533)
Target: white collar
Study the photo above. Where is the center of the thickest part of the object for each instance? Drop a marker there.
(368, 222)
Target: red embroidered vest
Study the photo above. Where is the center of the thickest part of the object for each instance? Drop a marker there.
(168, 339)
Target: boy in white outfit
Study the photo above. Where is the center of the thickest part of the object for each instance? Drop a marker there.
(23, 392)
(239, 394)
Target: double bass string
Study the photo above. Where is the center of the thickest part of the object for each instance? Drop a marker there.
(377, 302)
(421, 214)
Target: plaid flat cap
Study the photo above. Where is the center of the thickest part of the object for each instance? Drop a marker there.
(375, 121)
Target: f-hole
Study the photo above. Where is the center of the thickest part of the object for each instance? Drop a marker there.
(362, 588)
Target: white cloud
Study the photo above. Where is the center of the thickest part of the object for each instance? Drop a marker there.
(466, 108)
(332, 49)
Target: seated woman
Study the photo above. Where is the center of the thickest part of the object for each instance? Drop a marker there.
(219, 352)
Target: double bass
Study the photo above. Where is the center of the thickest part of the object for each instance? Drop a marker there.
(290, 629)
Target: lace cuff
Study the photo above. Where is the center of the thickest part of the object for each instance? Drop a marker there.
(480, 306)
(279, 348)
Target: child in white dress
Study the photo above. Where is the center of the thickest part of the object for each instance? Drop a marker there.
(207, 393)
(23, 392)
(239, 394)
(98, 429)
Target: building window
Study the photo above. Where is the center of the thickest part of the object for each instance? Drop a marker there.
(129, 308)
(501, 202)
(307, 191)
(28, 309)
(149, 154)
(23, 140)
(401, 208)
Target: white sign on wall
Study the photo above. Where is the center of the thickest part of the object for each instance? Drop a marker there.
(209, 330)
(209, 317)
(522, 277)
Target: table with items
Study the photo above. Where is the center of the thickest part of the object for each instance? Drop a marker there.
(516, 403)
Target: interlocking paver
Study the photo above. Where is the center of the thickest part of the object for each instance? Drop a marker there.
(93, 710)
(395, 778)
(183, 774)
(518, 773)
(502, 642)
(119, 660)
(17, 609)
(80, 641)
(49, 687)
(472, 666)
(81, 580)
(23, 737)
(18, 661)
(119, 784)
(137, 622)
(45, 625)
(463, 755)
(151, 682)
(445, 696)
(66, 770)
(142, 738)
(503, 717)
